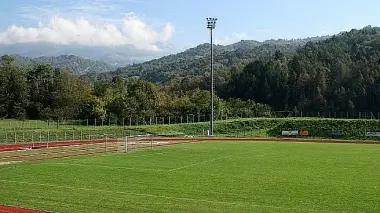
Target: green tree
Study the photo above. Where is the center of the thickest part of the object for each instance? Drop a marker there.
(13, 89)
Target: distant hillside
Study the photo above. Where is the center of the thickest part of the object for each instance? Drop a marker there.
(120, 56)
(195, 61)
(340, 75)
(78, 65)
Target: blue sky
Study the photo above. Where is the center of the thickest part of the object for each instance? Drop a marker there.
(181, 23)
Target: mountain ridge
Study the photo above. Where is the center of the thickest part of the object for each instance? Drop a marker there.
(139, 64)
(77, 64)
(194, 61)
(117, 56)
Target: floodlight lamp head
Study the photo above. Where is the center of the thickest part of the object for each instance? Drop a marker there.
(211, 23)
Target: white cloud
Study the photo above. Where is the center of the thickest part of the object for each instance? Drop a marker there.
(61, 30)
(235, 37)
(100, 9)
(86, 22)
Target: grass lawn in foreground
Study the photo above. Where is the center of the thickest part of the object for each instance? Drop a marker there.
(203, 177)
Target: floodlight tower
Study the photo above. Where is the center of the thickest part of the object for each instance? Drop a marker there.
(211, 26)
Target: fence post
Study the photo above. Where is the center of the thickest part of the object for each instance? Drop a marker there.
(106, 143)
(65, 135)
(40, 137)
(73, 135)
(81, 135)
(126, 144)
(48, 139)
(244, 128)
(15, 137)
(151, 142)
(32, 139)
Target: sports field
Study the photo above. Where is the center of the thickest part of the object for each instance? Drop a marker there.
(219, 176)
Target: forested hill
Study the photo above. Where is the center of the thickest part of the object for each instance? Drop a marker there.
(195, 61)
(339, 74)
(78, 65)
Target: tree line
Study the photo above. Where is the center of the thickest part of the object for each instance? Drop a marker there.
(43, 92)
(339, 74)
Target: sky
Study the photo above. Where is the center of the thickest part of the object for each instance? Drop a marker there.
(178, 24)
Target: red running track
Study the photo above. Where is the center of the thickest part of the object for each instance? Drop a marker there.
(15, 147)
(36, 145)
(11, 209)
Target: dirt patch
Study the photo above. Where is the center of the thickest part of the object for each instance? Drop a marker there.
(13, 209)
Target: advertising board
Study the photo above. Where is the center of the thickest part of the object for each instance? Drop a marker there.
(290, 133)
(335, 132)
(372, 134)
(304, 133)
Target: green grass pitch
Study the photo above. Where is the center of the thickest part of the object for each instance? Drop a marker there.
(203, 177)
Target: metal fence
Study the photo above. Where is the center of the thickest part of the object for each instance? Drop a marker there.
(14, 125)
(22, 136)
(335, 114)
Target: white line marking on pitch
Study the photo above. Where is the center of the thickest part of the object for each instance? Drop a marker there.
(159, 196)
(107, 167)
